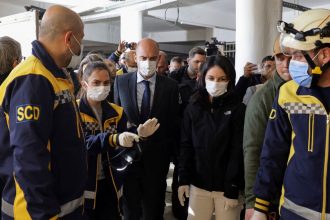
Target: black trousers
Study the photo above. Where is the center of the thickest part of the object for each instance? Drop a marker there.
(145, 186)
(106, 203)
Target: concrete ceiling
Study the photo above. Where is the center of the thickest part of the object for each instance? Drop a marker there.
(195, 16)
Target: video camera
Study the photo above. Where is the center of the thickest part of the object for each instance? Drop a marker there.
(211, 48)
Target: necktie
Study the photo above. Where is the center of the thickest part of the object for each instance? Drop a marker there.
(145, 105)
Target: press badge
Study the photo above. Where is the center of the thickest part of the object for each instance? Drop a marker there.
(28, 112)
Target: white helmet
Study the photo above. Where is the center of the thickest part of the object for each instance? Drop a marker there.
(309, 30)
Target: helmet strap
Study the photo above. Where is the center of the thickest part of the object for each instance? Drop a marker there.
(316, 70)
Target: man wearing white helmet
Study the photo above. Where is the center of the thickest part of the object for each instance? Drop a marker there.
(295, 154)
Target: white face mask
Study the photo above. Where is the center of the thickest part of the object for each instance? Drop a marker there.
(131, 69)
(98, 93)
(215, 89)
(147, 68)
(75, 59)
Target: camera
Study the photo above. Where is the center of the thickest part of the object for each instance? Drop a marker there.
(211, 48)
(128, 45)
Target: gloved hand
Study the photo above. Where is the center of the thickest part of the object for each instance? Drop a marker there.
(230, 203)
(258, 216)
(183, 191)
(148, 128)
(126, 139)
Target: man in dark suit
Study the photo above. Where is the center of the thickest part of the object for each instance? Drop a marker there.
(143, 95)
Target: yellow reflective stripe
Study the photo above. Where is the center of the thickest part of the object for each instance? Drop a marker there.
(114, 184)
(7, 119)
(20, 204)
(119, 110)
(111, 140)
(309, 134)
(31, 66)
(263, 202)
(312, 137)
(281, 200)
(261, 207)
(287, 94)
(325, 172)
(54, 218)
(87, 118)
(115, 139)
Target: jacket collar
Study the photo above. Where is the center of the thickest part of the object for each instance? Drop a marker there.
(278, 81)
(310, 92)
(39, 51)
(107, 110)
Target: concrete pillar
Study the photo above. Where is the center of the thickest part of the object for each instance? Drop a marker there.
(131, 25)
(255, 30)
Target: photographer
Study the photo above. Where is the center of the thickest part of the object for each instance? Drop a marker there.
(212, 49)
(115, 56)
(253, 75)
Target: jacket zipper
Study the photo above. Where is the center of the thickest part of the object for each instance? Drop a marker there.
(325, 171)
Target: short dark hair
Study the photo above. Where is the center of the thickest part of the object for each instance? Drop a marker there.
(268, 58)
(176, 59)
(196, 50)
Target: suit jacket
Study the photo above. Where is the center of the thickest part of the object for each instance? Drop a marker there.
(164, 108)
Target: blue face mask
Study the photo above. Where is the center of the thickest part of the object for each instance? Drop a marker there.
(299, 73)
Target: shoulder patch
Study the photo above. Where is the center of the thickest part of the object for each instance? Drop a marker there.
(272, 114)
(27, 112)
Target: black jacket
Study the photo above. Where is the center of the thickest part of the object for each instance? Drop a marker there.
(186, 86)
(157, 147)
(211, 153)
(245, 82)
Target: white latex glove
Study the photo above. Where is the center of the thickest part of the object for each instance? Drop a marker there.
(148, 128)
(183, 191)
(230, 203)
(248, 213)
(126, 139)
(258, 216)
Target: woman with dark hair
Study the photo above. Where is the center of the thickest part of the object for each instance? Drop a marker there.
(211, 155)
(105, 128)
